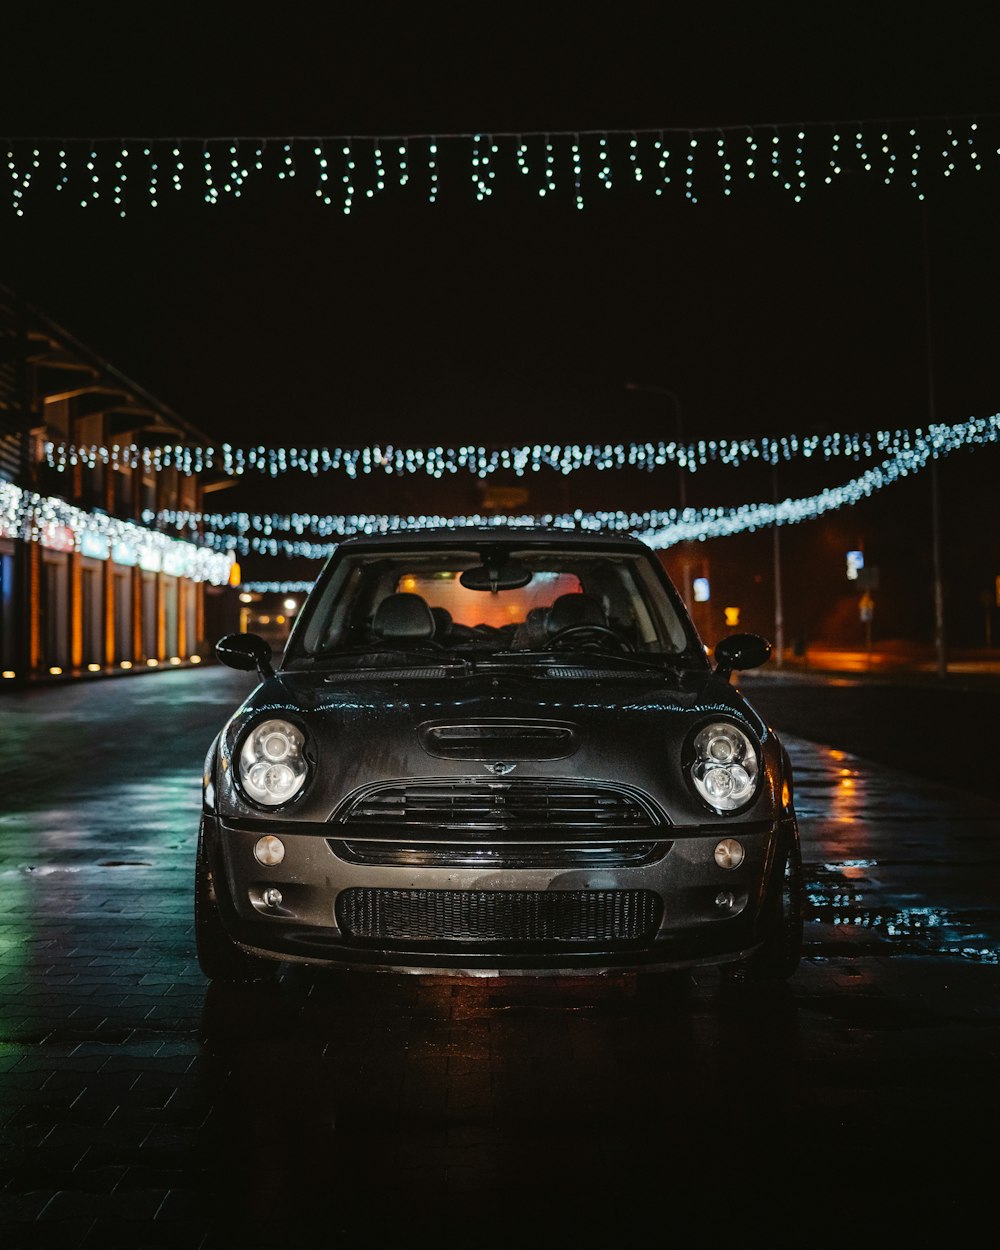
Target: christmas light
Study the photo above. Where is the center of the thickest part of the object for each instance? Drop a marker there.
(802, 158)
(243, 533)
(276, 588)
(55, 523)
(564, 458)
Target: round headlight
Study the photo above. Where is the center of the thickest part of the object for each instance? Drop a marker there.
(272, 766)
(725, 766)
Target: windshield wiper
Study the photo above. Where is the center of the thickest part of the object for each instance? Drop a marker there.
(592, 659)
(418, 657)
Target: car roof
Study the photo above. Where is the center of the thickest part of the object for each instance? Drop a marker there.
(516, 535)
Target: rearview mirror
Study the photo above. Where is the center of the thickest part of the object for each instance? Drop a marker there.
(501, 575)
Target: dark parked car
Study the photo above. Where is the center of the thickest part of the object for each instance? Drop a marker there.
(496, 751)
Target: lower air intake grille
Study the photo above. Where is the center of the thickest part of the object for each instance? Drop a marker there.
(499, 917)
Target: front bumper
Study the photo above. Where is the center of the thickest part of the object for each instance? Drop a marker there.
(381, 903)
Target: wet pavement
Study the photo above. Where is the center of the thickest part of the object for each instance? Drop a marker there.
(139, 1107)
(915, 723)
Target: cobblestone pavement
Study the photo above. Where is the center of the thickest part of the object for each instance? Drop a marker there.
(141, 1108)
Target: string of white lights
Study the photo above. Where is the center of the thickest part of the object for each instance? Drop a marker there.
(483, 462)
(55, 522)
(60, 526)
(277, 588)
(659, 528)
(801, 159)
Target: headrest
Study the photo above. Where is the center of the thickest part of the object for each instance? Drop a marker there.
(532, 631)
(442, 621)
(575, 610)
(402, 617)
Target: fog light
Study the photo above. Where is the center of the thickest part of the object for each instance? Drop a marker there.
(725, 900)
(269, 851)
(272, 897)
(729, 853)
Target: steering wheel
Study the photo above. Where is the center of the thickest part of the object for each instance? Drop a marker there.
(590, 637)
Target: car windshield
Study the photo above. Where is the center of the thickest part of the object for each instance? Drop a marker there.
(511, 603)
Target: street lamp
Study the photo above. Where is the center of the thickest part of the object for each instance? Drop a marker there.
(681, 475)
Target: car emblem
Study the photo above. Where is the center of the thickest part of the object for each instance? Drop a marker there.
(500, 769)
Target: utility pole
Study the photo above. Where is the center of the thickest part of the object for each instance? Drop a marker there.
(939, 634)
(779, 610)
(23, 622)
(681, 482)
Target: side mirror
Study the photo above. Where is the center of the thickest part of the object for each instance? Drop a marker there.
(246, 652)
(740, 651)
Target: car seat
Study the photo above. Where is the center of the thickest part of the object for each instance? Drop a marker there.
(570, 610)
(442, 624)
(531, 633)
(403, 618)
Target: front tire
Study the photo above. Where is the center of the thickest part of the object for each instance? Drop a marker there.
(219, 957)
(780, 952)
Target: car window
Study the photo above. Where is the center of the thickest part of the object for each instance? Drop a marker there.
(574, 593)
(443, 589)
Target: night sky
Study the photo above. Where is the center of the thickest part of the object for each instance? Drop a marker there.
(274, 319)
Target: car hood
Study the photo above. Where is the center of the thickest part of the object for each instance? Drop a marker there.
(625, 728)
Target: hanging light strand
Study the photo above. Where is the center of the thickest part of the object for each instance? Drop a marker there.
(484, 462)
(30, 516)
(243, 533)
(60, 525)
(131, 173)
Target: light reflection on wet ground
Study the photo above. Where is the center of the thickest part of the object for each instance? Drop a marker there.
(892, 826)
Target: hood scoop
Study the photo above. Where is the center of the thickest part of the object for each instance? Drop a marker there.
(499, 739)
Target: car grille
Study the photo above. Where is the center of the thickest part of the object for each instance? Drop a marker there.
(499, 855)
(499, 917)
(496, 804)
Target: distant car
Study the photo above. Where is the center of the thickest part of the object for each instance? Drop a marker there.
(497, 751)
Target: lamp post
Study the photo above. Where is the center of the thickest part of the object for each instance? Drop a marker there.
(25, 641)
(940, 646)
(681, 478)
(779, 610)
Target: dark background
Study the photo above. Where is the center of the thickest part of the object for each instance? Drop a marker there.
(275, 319)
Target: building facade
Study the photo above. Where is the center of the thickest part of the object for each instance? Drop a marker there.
(88, 584)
